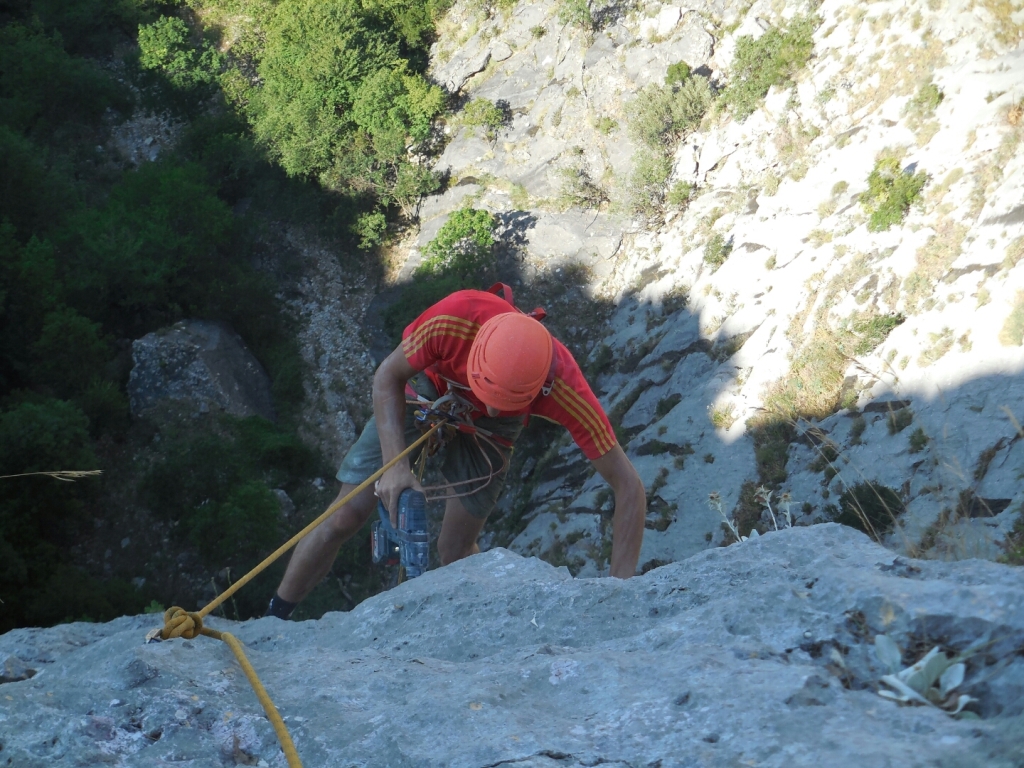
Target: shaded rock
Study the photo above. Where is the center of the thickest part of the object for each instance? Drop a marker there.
(202, 365)
(727, 658)
(14, 669)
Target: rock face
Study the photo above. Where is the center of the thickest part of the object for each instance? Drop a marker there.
(768, 287)
(756, 654)
(200, 365)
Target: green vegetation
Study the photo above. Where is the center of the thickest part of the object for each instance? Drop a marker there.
(302, 118)
(658, 117)
(891, 192)
(575, 13)
(677, 73)
(459, 256)
(870, 507)
(924, 103)
(679, 194)
(606, 125)
(577, 188)
(483, 113)
(226, 510)
(874, 330)
(899, 420)
(775, 58)
(717, 250)
(918, 440)
(666, 404)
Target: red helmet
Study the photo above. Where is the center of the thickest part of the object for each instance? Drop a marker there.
(509, 361)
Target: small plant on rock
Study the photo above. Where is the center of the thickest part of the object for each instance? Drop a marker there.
(717, 250)
(483, 113)
(931, 681)
(891, 192)
(870, 507)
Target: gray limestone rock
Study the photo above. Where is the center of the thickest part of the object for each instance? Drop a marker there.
(760, 653)
(202, 365)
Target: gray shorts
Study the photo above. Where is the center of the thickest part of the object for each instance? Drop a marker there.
(462, 458)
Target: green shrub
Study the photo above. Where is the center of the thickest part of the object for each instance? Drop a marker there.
(918, 440)
(775, 58)
(870, 507)
(462, 247)
(925, 101)
(717, 250)
(166, 46)
(370, 228)
(482, 113)
(315, 56)
(899, 420)
(39, 515)
(606, 125)
(659, 115)
(43, 88)
(677, 73)
(891, 192)
(106, 407)
(646, 186)
(69, 353)
(216, 487)
(577, 188)
(666, 404)
(575, 13)
(679, 194)
(391, 104)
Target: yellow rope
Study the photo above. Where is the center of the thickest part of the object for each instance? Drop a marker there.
(188, 624)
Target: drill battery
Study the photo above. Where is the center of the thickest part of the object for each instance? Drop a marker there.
(408, 544)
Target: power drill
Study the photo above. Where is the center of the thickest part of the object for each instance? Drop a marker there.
(408, 544)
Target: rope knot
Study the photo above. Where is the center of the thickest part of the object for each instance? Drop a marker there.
(181, 623)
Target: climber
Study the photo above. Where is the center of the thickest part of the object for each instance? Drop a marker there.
(502, 366)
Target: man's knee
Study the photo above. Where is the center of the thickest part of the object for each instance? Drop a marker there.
(351, 516)
(450, 551)
(454, 547)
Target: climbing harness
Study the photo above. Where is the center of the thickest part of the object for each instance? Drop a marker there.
(446, 417)
(189, 624)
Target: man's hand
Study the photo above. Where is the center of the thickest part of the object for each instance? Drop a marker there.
(630, 510)
(391, 485)
(389, 410)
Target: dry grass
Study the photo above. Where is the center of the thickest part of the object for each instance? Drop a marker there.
(1015, 114)
(902, 70)
(991, 173)
(940, 344)
(1007, 32)
(1012, 333)
(1014, 253)
(815, 380)
(933, 261)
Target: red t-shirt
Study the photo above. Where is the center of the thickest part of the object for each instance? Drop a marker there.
(438, 342)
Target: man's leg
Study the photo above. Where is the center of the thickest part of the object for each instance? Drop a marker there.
(314, 555)
(459, 533)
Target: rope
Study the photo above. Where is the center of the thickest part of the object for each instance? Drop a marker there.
(188, 624)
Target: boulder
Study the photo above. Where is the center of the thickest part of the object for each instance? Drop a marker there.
(198, 365)
(762, 653)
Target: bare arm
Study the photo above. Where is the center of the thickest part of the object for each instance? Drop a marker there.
(630, 510)
(389, 409)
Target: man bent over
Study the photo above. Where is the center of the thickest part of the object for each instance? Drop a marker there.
(507, 367)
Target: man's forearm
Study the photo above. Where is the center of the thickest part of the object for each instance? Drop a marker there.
(389, 411)
(628, 528)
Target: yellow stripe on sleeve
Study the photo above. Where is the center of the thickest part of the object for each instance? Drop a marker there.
(584, 413)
